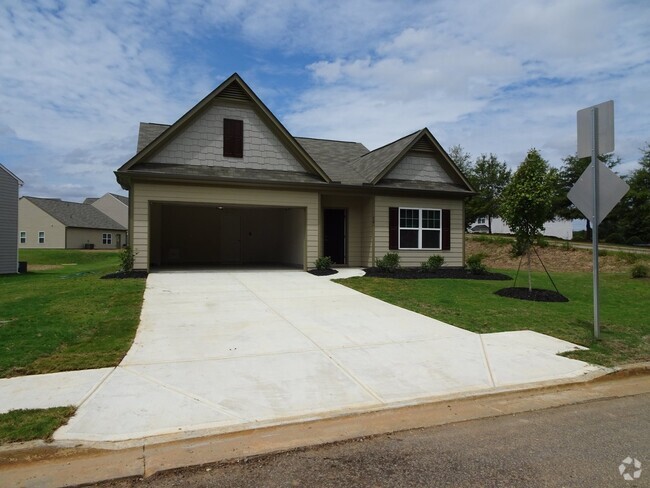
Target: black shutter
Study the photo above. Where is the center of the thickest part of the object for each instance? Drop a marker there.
(393, 227)
(233, 138)
(446, 230)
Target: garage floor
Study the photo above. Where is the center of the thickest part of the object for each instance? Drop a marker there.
(227, 350)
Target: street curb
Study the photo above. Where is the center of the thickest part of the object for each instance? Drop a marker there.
(51, 465)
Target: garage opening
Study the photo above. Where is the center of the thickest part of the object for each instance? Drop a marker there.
(195, 234)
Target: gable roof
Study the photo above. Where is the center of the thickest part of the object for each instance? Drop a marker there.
(373, 163)
(72, 214)
(121, 198)
(334, 158)
(90, 200)
(234, 88)
(4, 168)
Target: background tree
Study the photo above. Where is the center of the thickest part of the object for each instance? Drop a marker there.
(635, 216)
(527, 203)
(571, 169)
(489, 176)
(461, 158)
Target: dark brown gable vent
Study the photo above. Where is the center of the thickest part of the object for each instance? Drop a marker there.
(233, 138)
(234, 91)
(423, 145)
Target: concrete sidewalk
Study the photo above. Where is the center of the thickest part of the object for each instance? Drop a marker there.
(224, 351)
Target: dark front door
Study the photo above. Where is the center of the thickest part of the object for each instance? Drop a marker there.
(334, 234)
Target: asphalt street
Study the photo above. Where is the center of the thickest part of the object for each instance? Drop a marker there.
(573, 446)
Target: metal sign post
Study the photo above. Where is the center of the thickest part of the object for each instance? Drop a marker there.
(598, 189)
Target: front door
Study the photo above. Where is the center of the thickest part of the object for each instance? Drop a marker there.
(334, 234)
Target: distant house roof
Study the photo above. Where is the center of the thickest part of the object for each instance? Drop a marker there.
(90, 200)
(72, 214)
(121, 198)
(20, 182)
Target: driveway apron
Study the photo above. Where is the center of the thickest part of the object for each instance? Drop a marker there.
(226, 350)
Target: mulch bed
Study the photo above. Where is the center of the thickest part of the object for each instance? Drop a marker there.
(536, 295)
(419, 273)
(322, 272)
(120, 275)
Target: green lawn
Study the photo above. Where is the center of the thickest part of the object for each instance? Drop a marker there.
(472, 305)
(27, 425)
(66, 318)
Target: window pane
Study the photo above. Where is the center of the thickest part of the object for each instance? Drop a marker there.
(409, 218)
(408, 239)
(431, 239)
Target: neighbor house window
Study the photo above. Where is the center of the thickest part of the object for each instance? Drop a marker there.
(233, 138)
(107, 238)
(41, 237)
(480, 220)
(23, 237)
(419, 228)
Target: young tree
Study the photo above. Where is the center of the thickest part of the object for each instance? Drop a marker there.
(635, 219)
(527, 203)
(461, 158)
(489, 176)
(572, 168)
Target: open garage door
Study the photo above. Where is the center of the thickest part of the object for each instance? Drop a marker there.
(194, 234)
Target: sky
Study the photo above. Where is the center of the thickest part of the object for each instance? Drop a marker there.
(495, 76)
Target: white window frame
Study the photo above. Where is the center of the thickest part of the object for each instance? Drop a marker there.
(107, 239)
(23, 237)
(419, 228)
(481, 220)
(41, 237)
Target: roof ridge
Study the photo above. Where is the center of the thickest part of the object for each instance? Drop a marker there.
(328, 140)
(390, 143)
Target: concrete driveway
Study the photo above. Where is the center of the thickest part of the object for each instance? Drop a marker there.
(219, 351)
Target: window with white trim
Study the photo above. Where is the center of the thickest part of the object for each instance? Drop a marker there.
(23, 237)
(420, 228)
(41, 237)
(107, 239)
(480, 220)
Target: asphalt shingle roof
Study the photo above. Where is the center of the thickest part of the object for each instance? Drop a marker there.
(334, 157)
(121, 198)
(148, 132)
(371, 164)
(72, 214)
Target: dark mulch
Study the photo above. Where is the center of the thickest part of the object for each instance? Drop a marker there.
(120, 275)
(536, 295)
(419, 273)
(322, 272)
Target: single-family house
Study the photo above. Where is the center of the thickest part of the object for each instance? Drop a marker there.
(560, 228)
(9, 185)
(115, 206)
(51, 223)
(228, 184)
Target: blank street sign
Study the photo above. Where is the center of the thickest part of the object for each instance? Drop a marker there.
(605, 121)
(610, 191)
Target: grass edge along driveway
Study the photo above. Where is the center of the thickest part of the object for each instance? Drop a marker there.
(63, 317)
(472, 305)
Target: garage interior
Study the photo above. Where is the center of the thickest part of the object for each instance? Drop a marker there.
(215, 235)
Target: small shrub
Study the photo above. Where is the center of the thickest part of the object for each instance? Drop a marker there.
(390, 262)
(324, 262)
(518, 248)
(433, 263)
(567, 246)
(640, 271)
(603, 252)
(615, 238)
(127, 258)
(629, 257)
(634, 241)
(541, 241)
(475, 264)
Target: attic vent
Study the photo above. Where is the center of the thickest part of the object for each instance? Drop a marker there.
(234, 91)
(423, 145)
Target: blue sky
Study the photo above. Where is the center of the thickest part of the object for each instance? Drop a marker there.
(77, 77)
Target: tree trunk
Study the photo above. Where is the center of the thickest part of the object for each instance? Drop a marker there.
(530, 281)
(490, 224)
(588, 231)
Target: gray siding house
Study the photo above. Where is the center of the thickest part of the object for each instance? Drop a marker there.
(9, 184)
(228, 184)
(51, 223)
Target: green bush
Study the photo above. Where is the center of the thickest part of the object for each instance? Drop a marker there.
(127, 258)
(567, 246)
(615, 238)
(390, 262)
(640, 271)
(433, 263)
(541, 241)
(603, 252)
(324, 262)
(475, 264)
(634, 241)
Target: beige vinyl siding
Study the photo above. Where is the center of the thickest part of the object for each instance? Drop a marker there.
(367, 232)
(32, 220)
(142, 194)
(453, 257)
(114, 208)
(77, 238)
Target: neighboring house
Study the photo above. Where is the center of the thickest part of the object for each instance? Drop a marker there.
(115, 206)
(9, 184)
(228, 184)
(560, 228)
(51, 223)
